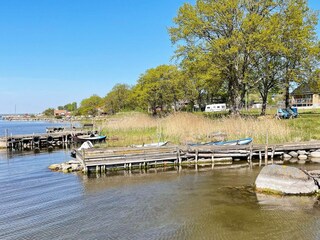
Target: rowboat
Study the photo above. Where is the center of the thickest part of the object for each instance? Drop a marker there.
(242, 141)
(157, 144)
(91, 138)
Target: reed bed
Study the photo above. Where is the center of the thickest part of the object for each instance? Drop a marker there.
(182, 128)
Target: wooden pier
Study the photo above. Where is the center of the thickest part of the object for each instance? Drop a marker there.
(100, 160)
(37, 140)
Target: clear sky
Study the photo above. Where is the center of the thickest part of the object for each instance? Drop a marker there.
(53, 52)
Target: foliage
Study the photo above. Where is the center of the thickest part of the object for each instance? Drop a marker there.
(245, 44)
(70, 107)
(118, 99)
(91, 105)
(48, 112)
(158, 88)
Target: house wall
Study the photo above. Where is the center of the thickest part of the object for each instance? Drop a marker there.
(315, 100)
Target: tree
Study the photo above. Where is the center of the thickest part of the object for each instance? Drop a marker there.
(90, 106)
(49, 112)
(70, 107)
(158, 87)
(299, 40)
(117, 99)
(226, 31)
(247, 43)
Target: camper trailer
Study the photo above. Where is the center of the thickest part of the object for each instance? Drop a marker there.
(216, 107)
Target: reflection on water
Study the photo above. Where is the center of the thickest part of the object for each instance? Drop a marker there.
(169, 203)
(288, 203)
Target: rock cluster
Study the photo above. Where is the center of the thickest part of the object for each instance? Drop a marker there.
(302, 156)
(70, 166)
(287, 180)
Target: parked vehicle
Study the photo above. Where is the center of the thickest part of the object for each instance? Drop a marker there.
(216, 107)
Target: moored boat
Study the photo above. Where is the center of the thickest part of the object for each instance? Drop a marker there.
(242, 141)
(157, 144)
(91, 138)
(85, 145)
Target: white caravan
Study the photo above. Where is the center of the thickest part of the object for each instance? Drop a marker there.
(216, 107)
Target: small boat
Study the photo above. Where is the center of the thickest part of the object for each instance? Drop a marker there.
(157, 144)
(85, 145)
(91, 137)
(242, 141)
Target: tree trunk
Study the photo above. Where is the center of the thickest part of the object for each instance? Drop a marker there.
(235, 97)
(287, 95)
(264, 103)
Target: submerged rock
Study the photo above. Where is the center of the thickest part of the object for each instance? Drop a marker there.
(285, 180)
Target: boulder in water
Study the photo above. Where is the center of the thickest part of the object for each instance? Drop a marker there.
(285, 180)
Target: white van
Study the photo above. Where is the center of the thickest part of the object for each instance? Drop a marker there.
(216, 107)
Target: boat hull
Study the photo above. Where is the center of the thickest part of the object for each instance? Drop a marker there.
(82, 139)
(242, 141)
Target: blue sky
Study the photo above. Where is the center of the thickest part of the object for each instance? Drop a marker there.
(53, 52)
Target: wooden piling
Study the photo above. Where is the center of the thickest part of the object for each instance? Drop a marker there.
(260, 158)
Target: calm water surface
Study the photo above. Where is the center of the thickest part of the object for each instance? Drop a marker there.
(36, 203)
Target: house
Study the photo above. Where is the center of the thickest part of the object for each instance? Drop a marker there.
(304, 97)
(61, 113)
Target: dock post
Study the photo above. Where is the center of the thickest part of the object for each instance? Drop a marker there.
(266, 150)
(250, 156)
(179, 156)
(266, 156)
(273, 151)
(130, 166)
(260, 158)
(196, 157)
(212, 159)
(97, 169)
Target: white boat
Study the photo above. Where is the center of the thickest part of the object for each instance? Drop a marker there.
(157, 144)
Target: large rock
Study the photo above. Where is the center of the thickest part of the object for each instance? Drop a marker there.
(285, 180)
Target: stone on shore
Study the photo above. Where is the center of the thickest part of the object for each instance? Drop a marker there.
(286, 157)
(302, 152)
(55, 167)
(293, 154)
(285, 180)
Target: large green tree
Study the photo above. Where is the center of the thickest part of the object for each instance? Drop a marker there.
(247, 44)
(299, 40)
(226, 31)
(118, 99)
(158, 87)
(91, 105)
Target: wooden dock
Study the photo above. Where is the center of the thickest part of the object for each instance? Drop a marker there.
(39, 140)
(102, 159)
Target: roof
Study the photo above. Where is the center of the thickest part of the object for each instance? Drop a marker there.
(303, 89)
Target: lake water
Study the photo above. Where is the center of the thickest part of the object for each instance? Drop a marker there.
(36, 203)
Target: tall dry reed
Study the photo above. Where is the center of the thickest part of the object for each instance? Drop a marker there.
(187, 127)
